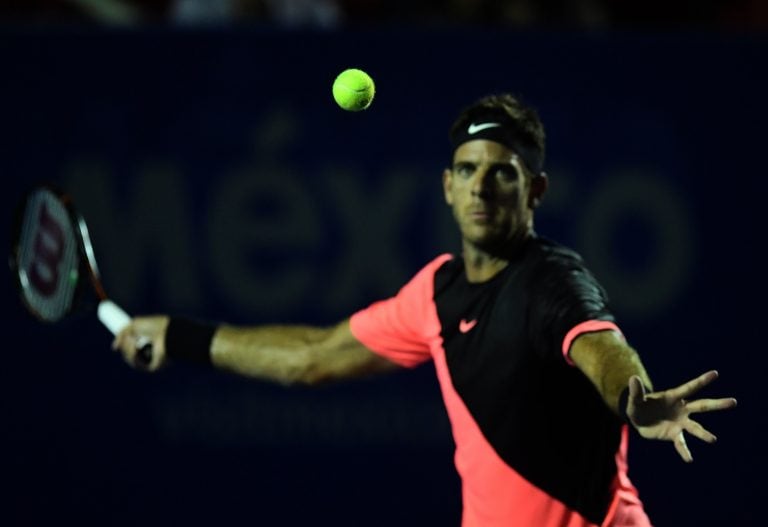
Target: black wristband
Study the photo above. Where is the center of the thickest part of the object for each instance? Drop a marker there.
(623, 399)
(188, 340)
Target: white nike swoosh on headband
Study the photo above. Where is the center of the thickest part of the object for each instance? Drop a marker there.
(474, 128)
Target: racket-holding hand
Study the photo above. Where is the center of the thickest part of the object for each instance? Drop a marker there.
(142, 342)
(666, 414)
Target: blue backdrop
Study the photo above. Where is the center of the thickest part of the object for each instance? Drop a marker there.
(220, 180)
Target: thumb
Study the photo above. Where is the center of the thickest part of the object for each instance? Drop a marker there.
(120, 337)
(635, 398)
(636, 389)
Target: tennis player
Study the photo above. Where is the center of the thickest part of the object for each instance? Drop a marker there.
(540, 384)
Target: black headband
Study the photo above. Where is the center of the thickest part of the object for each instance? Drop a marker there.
(498, 131)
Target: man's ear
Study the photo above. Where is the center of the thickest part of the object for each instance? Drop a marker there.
(448, 186)
(539, 185)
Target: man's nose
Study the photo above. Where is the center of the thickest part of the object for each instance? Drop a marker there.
(481, 185)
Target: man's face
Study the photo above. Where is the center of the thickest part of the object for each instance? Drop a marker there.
(491, 194)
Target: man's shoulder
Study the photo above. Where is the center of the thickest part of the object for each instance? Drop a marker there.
(547, 252)
(437, 267)
(448, 267)
(555, 264)
(441, 262)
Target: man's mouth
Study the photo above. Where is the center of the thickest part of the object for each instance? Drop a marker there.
(480, 214)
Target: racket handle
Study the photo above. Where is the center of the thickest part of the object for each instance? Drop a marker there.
(115, 319)
(113, 316)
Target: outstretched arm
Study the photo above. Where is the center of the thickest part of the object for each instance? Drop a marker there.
(283, 354)
(613, 366)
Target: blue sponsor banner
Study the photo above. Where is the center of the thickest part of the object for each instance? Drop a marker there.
(220, 180)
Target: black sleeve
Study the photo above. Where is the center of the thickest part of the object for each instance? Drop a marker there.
(563, 293)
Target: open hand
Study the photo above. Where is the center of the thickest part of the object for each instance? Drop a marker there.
(666, 414)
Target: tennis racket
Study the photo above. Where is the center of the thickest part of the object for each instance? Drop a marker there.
(54, 266)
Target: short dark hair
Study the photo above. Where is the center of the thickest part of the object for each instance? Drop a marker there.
(508, 109)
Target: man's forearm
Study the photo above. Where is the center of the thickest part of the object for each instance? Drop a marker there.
(293, 354)
(609, 362)
(277, 353)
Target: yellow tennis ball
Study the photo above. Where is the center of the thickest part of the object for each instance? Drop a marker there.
(353, 90)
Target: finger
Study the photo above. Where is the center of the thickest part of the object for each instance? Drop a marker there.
(692, 386)
(143, 358)
(696, 430)
(144, 354)
(710, 405)
(128, 348)
(120, 339)
(636, 389)
(117, 340)
(682, 448)
(126, 344)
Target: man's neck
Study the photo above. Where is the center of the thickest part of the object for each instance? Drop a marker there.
(481, 265)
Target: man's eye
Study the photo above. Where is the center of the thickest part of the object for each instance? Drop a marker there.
(507, 174)
(464, 170)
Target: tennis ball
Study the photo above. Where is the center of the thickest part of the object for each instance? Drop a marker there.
(353, 90)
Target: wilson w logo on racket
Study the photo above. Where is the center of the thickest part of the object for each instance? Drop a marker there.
(48, 261)
(53, 263)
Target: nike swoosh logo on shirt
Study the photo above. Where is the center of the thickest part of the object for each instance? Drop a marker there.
(465, 326)
(474, 128)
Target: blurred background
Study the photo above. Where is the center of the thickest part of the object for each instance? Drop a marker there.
(220, 180)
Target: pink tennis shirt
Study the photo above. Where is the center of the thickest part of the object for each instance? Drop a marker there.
(535, 444)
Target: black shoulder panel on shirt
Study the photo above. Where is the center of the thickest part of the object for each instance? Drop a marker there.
(563, 293)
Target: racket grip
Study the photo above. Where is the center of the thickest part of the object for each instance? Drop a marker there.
(115, 319)
(113, 316)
